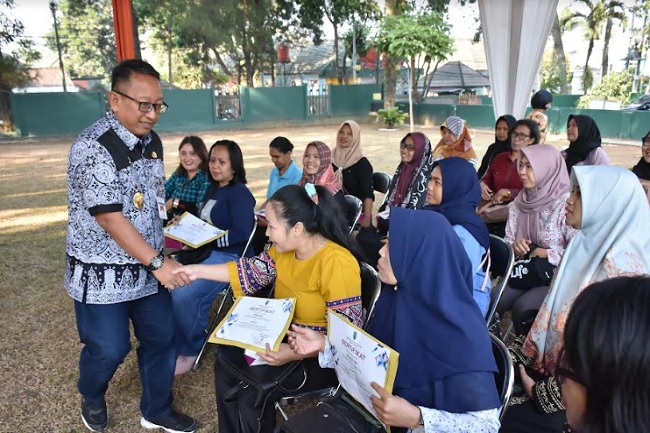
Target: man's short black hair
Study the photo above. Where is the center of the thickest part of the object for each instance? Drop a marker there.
(123, 71)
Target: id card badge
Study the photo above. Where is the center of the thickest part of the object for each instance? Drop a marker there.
(162, 211)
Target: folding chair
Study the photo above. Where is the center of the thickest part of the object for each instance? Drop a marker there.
(381, 183)
(370, 290)
(503, 258)
(227, 295)
(353, 208)
(505, 376)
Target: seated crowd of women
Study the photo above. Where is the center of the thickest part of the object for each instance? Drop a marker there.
(570, 221)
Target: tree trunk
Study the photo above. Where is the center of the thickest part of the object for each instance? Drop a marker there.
(411, 75)
(220, 61)
(169, 50)
(136, 36)
(390, 74)
(560, 57)
(336, 53)
(586, 83)
(608, 34)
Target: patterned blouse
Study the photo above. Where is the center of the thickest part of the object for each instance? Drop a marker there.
(187, 190)
(554, 234)
(331, 278)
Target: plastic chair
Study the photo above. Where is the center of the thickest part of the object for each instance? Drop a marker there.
(370, 290)
(505, 376)
(353, 208)
(227, 294)
(380, 183)
(503, 258)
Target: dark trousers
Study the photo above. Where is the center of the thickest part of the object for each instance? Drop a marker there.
(239, 414)
(104, 332)
(524, 305)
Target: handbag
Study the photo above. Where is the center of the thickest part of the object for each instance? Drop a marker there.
(194, 255)
(339, 414)
(530, 272)
(265, 379)
(495, 214)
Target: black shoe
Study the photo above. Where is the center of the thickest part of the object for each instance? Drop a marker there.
(173, 423)
(94, 415)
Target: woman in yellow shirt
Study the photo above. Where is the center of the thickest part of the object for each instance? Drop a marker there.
(312, 259)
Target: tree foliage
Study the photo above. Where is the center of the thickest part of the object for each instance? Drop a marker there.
(554, 74)
(593, 16)
(616, 86)
(87, 37)
(15, 61)
(423, 40)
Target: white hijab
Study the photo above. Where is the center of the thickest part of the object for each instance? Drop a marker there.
(614, 240)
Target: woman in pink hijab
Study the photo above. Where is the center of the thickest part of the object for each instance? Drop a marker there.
(317, 167)
(537, 231)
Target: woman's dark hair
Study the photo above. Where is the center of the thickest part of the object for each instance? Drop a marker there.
(532, 126)
(282, 144)
(199, 148)
(236, 160)
(293, 205)
(123, 71)
(606, 346)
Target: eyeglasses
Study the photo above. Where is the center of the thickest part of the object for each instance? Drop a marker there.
(146, 107)
(519, 136)
(645, 142)
(562, 374)
(409, 147)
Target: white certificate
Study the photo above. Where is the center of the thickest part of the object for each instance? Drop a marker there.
(253, 322)
(360, 359)
(193, 231)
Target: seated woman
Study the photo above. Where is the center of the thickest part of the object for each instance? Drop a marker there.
(584, 143)
(317, 170)
(541, 102)
(310, 260)
(185, 188)
(453, 191)
(501, 143)
(445, 376)
(609, 209)
(407, 189)
(642, 168)
(285, 172)
(501, 182)
(603, 369)
(455, 141)
(352, 169)
(228, 205)
(536, 228)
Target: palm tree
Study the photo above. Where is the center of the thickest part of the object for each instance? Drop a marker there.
(615, 11)
(598, 13)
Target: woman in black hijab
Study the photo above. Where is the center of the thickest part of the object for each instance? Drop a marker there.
(642, 168)
(584, 143)
(501, 143)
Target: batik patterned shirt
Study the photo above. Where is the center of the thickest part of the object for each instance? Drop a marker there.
(112, 170)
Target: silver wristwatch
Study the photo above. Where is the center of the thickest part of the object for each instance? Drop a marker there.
(156, 263)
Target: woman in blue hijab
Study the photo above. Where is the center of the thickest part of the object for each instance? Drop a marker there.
(445, 377)
(454, 192)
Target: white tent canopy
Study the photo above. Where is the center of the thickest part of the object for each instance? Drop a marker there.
(515, 34)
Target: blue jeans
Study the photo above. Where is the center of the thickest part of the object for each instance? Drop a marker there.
(104, 331)
(192, 307)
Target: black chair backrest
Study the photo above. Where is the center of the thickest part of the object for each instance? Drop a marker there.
(499, 255)
(380, 181)
(352, 209)
(505, 376)
(370, 289)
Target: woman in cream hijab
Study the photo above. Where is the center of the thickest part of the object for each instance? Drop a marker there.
(610, 210)
(352, 169)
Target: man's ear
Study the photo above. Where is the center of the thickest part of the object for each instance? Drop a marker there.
(113, 100)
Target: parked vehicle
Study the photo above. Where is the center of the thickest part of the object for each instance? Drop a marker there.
(642, 103)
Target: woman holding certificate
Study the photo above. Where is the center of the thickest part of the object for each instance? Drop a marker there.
(428, 315)
(310, 260)
(228, 205)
